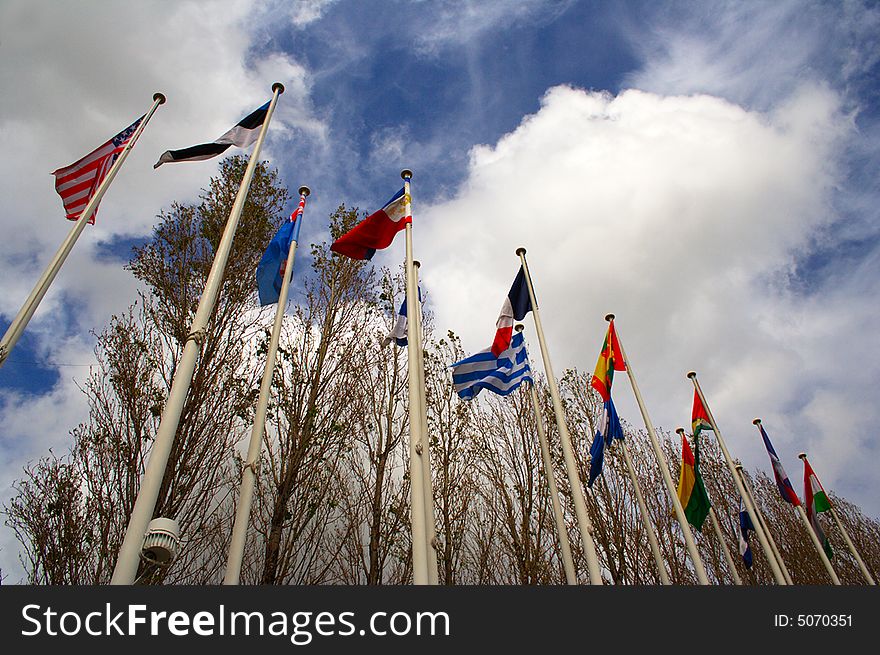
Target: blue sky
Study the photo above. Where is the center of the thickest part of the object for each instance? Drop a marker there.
(707, 171)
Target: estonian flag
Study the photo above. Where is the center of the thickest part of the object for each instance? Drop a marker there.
(242, 135)
(499, 375)
(515, 307)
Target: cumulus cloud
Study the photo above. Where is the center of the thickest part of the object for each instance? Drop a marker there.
(75, 74)
(682, 215)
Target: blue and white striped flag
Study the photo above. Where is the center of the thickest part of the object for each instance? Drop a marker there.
(499, 375)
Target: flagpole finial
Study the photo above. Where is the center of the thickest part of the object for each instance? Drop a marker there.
(417, 263)
(519, 327)
(160, 97)
(520, 251)
(739, 467)
(609, 317)
(278, 86)
(757, 421)
(406, 174)
(679, 430)
(802, 456)
(304, 190)
(692, 374)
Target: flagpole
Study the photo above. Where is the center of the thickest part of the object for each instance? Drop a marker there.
(717, 528)
(416, 475)
(822, 554)
(748, 487)
(849, 544)
(425, 448)
(646, 521)
(255, 446)
(19, 323)
(774, 566)
(689, 542)
(145, 504)
(577, 490)
(564, 545)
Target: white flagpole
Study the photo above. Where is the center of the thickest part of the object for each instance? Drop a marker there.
(822, 554)
(425, 448)
(19, 323)
(416, 471)
(564, 545)
(129, 552)
(774, 566)
(760, 514)
(646, 520)
(717, 528)
(577, 489)
(689, 542)
(849, 544)
(255, 446)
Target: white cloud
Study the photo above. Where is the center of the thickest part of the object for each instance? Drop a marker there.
(680, 214)
(74, 74)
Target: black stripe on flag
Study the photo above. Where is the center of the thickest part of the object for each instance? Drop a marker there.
(194, 153)
(242, 134)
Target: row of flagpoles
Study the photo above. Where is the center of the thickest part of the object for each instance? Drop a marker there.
(501, 369)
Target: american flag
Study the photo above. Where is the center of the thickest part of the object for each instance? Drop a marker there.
(77, 183)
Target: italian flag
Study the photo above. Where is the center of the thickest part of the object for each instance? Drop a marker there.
(817, 502)
(691, 491)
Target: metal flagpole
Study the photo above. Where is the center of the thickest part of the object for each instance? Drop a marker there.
(249, 473)
(19, 323)
(822, 554)
(129, 553)
(646, 521)
(850, 545)
(689, 542)
(425, 449)
(577, 490)
(760, 514)
(564, 545)
(416, 471)
(715, 526)
(777, 572)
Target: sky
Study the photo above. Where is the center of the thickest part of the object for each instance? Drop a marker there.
(707, 171)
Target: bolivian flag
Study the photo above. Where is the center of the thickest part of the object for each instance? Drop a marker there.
(699, 417)
(610, 360)
(691, 490)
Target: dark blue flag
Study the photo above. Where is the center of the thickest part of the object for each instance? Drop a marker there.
(610, 430)
(274, 261)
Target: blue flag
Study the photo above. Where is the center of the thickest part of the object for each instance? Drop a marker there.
(499, 375)
(271, 267)
(398, 332)
(745, 526)
(608, 431)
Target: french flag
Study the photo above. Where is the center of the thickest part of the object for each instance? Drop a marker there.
(782, 482)
(376, 231)
(516, 306)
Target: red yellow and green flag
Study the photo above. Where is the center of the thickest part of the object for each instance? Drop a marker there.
(691, 490)
(610, 360)
(699, 417)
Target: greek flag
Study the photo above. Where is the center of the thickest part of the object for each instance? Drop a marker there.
(499, 375)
